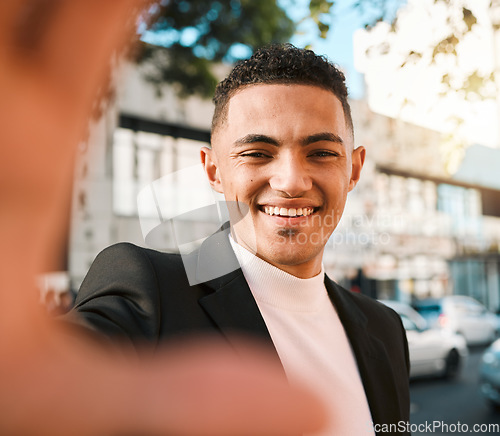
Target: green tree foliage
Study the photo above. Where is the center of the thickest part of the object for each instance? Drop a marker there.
(195, 34)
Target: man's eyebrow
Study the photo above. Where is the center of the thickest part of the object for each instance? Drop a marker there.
(324, 136)
(254, 138)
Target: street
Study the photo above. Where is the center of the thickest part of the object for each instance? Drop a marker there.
(450, 407)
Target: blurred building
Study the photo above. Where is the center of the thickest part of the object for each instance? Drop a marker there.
(434, 68)
(141, 137)
(409, 229)
(430, 233)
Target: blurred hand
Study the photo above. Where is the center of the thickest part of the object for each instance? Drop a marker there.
(54, 56)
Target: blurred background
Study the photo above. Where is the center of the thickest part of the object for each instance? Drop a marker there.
(421, 231)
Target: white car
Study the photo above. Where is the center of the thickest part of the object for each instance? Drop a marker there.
(489, 375)
(432, 351)
(461, 314)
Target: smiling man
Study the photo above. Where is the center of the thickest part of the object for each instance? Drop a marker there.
(283, 155)
(285, 151)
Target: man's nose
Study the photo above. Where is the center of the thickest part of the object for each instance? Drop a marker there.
(290, 176)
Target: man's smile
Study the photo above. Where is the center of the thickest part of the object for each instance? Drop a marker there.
(287, 212)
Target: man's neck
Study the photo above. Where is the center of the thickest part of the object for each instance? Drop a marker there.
(305, 270)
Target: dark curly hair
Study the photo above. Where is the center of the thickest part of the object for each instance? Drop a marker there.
(281, 64)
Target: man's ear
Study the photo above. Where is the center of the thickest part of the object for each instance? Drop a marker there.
(209, 162)
(358, 159)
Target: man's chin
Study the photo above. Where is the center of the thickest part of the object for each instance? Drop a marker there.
(288, 254)
(287, 246)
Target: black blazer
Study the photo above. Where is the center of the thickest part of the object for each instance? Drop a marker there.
(141, 295)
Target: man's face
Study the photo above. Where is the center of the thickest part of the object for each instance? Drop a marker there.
(284, 160)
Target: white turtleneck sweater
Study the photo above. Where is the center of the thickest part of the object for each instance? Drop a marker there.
(310, 341)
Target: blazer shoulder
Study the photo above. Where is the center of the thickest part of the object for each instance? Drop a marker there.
(375, 308)
(134, 262)
(367, 308)
(121, 295)
(377, 318)
(126, 252)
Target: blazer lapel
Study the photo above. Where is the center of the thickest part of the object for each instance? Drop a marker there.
(373, 363)
(230, 304)
(233, 308)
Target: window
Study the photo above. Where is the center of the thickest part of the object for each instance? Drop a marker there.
(140, 158)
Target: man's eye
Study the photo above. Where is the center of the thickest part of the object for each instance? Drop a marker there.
(324, 153)
(256, 154)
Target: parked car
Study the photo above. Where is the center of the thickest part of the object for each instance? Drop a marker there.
(460, 314)
(433, 351)
(489, 374)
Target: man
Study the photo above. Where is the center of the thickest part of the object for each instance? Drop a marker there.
(283, 156)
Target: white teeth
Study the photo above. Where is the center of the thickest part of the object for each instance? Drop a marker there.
(292, 212)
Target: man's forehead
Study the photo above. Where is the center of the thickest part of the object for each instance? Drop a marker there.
(262, 90)
(255, 98)
(282, 99)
